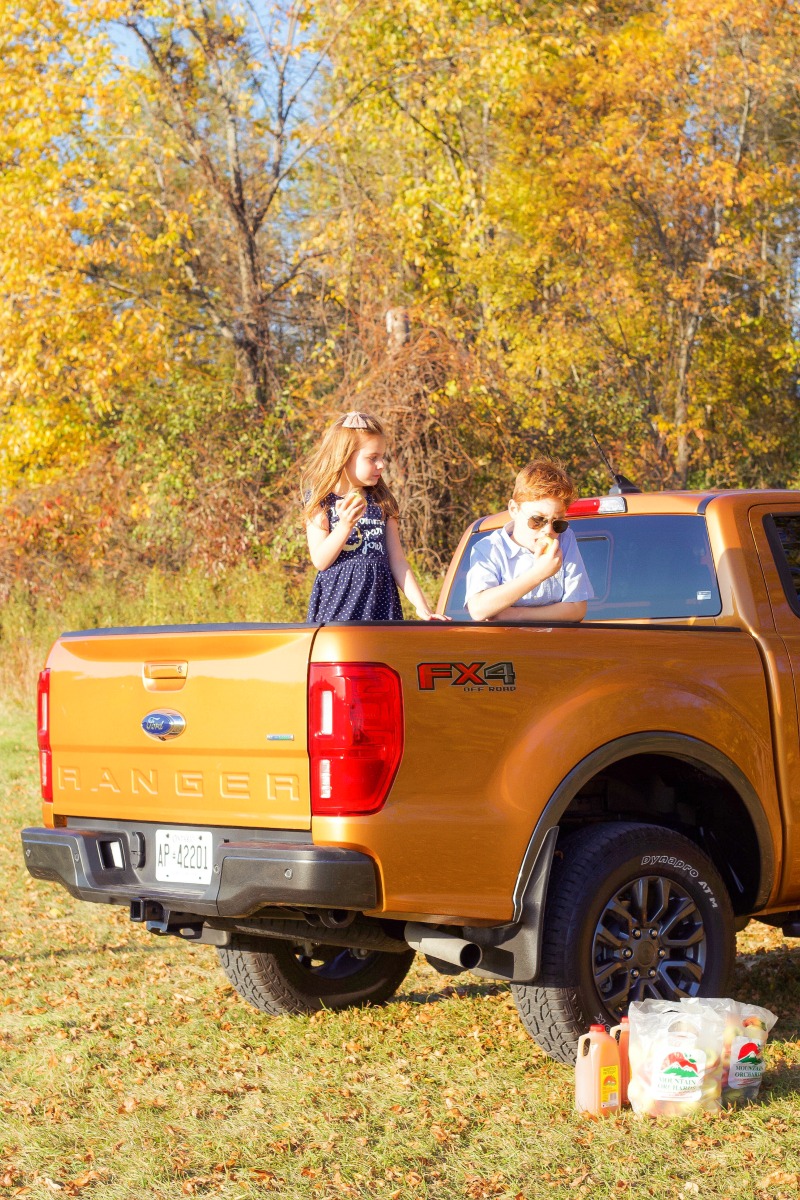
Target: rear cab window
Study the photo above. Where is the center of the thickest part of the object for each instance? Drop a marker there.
(783, 531)
(641, 567)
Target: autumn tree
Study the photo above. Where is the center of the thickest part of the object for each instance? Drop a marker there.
(653, 181)
(227, 89)
(596, 202)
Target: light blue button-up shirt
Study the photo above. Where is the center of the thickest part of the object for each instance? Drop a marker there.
(498, 559)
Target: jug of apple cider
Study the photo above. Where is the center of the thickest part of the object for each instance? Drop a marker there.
(621, 1035)
(597, 1074)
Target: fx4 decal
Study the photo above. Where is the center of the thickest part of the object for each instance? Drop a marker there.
(472, 677)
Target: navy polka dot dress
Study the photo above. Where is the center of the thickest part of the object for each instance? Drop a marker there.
(359, 585)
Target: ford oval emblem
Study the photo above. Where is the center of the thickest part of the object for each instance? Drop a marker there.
(164, 724)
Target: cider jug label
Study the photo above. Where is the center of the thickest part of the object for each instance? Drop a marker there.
(609, 1087)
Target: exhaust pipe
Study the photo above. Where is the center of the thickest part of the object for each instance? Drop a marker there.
(428, 940)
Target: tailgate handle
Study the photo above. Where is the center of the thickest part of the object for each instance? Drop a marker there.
(166, 670)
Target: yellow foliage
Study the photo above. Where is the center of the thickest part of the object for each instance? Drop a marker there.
(79, 246)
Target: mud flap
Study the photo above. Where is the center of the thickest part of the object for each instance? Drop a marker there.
(512, 952)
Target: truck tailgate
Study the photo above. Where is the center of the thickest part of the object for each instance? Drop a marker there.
(241, 759)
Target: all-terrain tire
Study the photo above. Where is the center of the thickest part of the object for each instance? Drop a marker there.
(633, 911)
(281, 977)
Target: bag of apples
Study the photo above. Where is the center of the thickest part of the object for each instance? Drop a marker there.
(697, 1054)
(746, 1031)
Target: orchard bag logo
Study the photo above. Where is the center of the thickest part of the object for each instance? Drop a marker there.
(680, 1064)
(747, 1063)
(679, 1073)
(470, 677)
(750, 1054)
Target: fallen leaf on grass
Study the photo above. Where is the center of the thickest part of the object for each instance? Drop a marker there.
(480, 1188)
(73, 1186)
(780, 1179)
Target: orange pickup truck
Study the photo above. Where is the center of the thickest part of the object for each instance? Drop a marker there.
(588, 811)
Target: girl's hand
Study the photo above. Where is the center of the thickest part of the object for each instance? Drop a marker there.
(350, 508)
(425, 614)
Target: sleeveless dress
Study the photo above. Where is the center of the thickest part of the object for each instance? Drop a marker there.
(359, 585)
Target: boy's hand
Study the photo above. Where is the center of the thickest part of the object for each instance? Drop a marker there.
(350, 508)
(548, 556)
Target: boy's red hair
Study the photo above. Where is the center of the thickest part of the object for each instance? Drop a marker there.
(543, 479)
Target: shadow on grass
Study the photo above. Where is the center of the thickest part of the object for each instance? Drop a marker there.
(781, 1082)
(464, 991)
(80, 951)
(771, 978)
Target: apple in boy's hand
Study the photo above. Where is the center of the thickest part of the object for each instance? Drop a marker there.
(548, 545)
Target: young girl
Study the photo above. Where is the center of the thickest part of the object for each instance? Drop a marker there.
(351, 522)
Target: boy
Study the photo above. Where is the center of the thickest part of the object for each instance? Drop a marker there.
(531, 569)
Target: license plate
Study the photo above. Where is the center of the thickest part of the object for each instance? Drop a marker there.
(184, 856)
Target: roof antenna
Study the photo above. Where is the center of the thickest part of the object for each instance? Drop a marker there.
(621, 485)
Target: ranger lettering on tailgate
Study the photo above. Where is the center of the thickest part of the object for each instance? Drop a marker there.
(227, 784)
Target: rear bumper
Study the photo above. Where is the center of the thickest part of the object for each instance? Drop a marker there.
(249, 872)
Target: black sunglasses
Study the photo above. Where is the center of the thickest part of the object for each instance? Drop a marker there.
(557, 526)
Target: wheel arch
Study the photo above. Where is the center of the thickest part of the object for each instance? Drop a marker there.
(595, 790)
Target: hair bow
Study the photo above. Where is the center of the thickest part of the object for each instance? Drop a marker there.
(355, 420)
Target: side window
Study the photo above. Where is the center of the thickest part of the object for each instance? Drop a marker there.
(648, 567)
(783, 530)
(596, 552)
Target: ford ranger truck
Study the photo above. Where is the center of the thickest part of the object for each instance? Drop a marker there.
(588, 811)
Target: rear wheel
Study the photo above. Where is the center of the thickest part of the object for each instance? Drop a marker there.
(283, 977)
(633, 911)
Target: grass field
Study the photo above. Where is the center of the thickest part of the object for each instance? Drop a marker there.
(131, 1069)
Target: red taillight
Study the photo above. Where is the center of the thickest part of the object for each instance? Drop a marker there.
(43, 734)
(355, 736)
